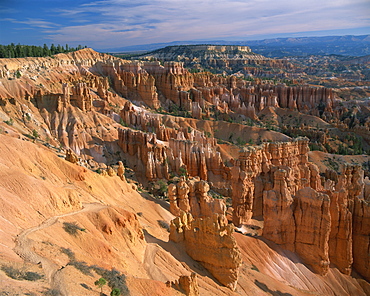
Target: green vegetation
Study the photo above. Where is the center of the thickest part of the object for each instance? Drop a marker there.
(9, 122)
(254, 267)
(183, 172)
(22, 51)
(315, 147)
(35, 134)
(72, 228)
(216, 195)
(331, 163)
(162, 187)
(100, 283)
(113, 278)
(240, 142)
(158, 188)
(115, 292)
(18, 274)
(164, 225)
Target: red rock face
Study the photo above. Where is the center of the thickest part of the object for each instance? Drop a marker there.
(313, 221)
(210, 241)
(361, 237)
(317, 224)
(279, 223)
(340, 241)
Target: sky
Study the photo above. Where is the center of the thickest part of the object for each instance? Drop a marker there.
(118, 23)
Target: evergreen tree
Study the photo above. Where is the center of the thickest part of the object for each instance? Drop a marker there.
(46, 51)
(52, 49)
(21, 51)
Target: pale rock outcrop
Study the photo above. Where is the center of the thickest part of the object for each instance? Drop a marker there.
(210, 241)
(187, 284)
(191, 196)
(111, 172)
(71, 156)
(121, 171)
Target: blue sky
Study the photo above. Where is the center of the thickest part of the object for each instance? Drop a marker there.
(116, 23)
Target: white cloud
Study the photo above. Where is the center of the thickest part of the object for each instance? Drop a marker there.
(122, 22)
(34, 23)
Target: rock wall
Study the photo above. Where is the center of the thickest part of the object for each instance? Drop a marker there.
(323, 224)
(361, 237)
(313, 222)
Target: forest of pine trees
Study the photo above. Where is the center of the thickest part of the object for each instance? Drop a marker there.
(22, 51)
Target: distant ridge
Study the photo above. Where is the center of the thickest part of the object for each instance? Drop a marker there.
(349, 45)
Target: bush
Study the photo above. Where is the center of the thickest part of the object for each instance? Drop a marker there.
(9, 122)
(68, 252)
(115, 292)
(35, 134)
(18, 274)
(116, 280)
(52, 292)
(72, 228)
(32, 276)
(164, 225)
(162, 187)
(183, 171)
(81, 266)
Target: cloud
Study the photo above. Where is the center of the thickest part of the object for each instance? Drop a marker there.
(34, 23)
(110, 23)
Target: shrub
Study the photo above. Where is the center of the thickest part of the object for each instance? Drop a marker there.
(115, 292)
(9, 122)
(164, 225)
(18, 274)
(183, 171)
(254, 267)
(35, 134)
(32, 276)
(240, 142)
(162, 187)
(68, 252)
(72, 228)
(52, 292)
(81, 266)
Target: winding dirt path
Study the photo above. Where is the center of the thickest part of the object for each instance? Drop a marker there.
(24, 248)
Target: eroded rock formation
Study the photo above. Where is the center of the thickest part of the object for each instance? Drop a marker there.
(187, 284)
(312, 227)
(191, 196)
(317, 223)
(210, 241)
